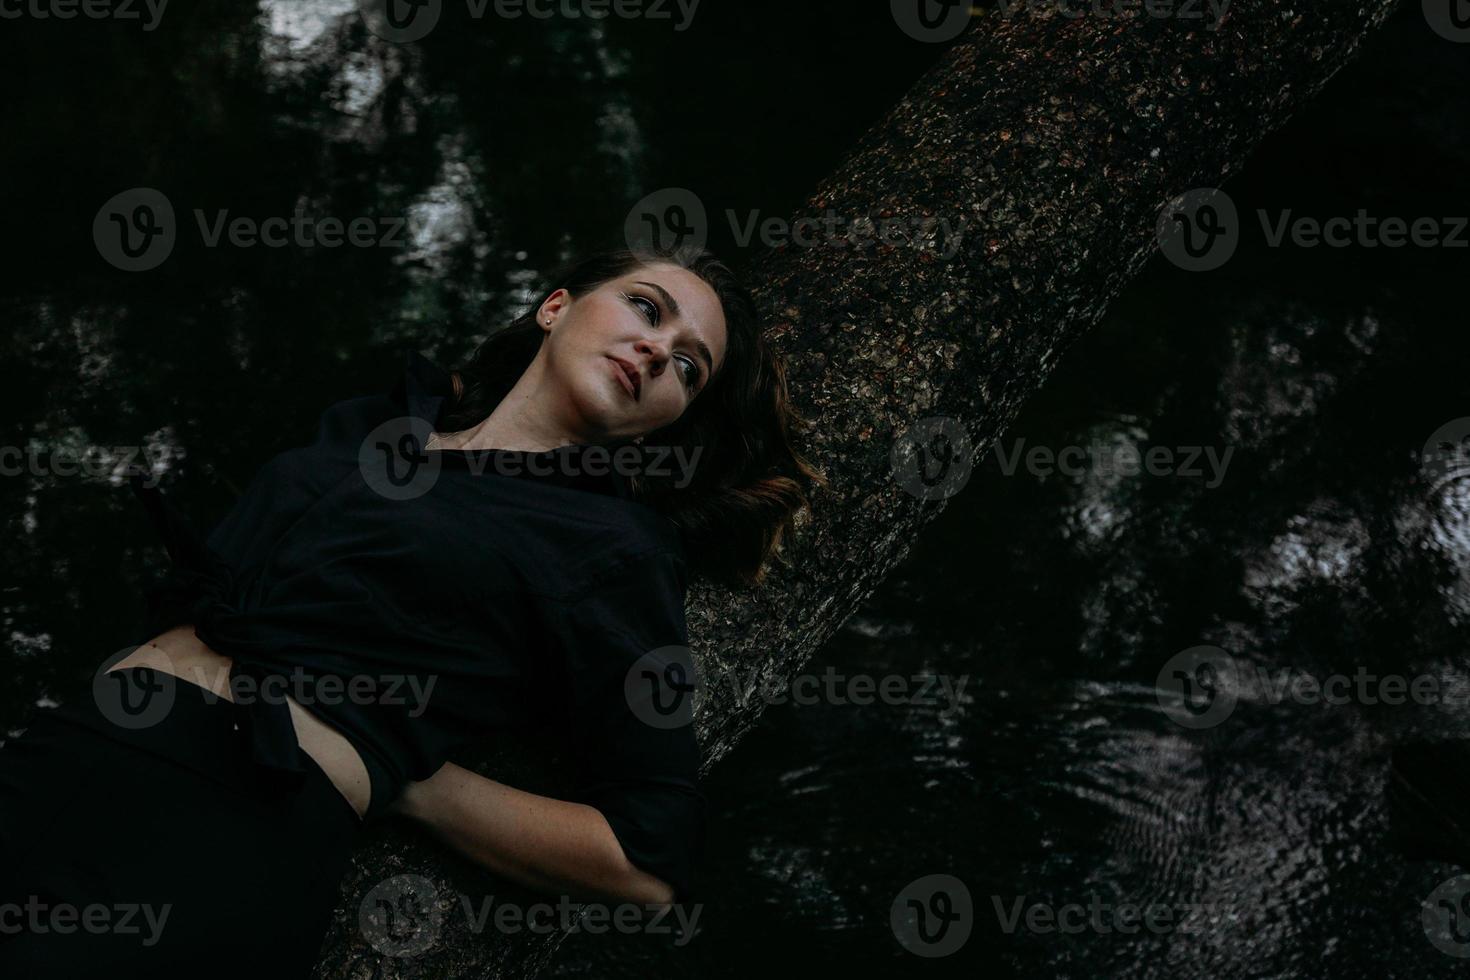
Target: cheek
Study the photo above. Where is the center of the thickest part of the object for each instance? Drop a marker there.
(573, 356)
(597, 321)
(573, 340)
(670, 404)
(591, 376)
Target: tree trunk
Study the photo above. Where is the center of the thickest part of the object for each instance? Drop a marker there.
(1055, 142)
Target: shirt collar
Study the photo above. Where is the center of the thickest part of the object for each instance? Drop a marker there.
(423, 391)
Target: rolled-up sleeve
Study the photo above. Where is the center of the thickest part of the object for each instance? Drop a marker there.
(623, 651)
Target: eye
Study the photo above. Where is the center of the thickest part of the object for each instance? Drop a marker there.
(691, 373)
(652, 313)
(649, 307)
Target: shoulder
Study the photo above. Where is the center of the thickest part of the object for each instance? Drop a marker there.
(415, 389)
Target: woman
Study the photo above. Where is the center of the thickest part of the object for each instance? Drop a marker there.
(474, 551)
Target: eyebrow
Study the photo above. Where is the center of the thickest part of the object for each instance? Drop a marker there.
(673, 307)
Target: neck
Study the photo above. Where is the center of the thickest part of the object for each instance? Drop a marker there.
(520, 422)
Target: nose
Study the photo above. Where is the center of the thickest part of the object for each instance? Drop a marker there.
(656, 353)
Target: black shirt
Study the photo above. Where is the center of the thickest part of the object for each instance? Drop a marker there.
(416, 601)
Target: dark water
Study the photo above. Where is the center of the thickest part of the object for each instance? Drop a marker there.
(1056, 778)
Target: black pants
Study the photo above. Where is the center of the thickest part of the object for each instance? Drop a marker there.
(162, 851)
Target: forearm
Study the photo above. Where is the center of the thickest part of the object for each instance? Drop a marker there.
(550, 845)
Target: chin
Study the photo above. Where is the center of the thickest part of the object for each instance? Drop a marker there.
(604, 413)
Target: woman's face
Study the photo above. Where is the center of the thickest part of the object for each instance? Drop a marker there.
(634, 353)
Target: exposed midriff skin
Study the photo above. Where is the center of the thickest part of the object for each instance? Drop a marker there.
(181, 653)
(544, 843)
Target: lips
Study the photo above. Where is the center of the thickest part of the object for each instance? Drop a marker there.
(630, 376)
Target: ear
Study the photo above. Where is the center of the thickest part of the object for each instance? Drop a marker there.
(553, 308)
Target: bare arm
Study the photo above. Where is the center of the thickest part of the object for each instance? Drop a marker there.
(549, 845)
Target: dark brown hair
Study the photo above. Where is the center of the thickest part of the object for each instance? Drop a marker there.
(749, 482)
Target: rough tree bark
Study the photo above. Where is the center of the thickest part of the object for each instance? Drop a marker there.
(1057, 141)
